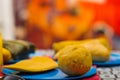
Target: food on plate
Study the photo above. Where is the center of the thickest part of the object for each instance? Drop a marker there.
(6, 55)
(98, 51)
(18, 48)
(75, 60)
(59, 45)
(30, 46)
(35, 64)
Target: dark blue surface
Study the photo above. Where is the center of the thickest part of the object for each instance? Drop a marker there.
(113, 61)
(55, 74)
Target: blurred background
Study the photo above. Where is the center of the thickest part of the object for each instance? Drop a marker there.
(44, 22)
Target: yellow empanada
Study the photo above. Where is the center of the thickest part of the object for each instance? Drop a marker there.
(35, 64)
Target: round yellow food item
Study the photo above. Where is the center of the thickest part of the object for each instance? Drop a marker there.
(99, 52)
(6, 55)
(75, 60)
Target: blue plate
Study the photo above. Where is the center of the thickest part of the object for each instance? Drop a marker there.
(55, 74)
(113, 61)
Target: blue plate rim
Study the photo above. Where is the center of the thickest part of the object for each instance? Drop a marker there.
(110, 62)
(93, 70)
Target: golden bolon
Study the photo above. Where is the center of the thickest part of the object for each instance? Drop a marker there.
(74, 60)
(99, 52)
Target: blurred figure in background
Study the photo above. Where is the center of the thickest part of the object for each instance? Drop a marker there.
(39, 23)
(49, 21)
